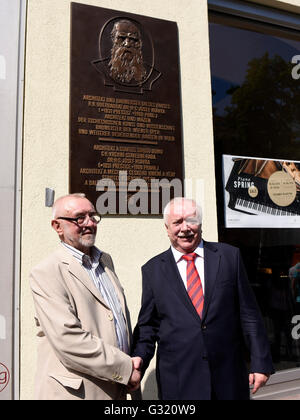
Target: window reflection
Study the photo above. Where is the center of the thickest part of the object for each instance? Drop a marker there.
(256, 109)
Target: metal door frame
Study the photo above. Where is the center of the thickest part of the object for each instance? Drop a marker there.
(13, 58)
(286, 382)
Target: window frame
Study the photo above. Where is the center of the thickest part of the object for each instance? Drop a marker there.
(246, 13)
(256, 12)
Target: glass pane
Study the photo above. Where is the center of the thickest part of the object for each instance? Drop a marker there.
(256, 108)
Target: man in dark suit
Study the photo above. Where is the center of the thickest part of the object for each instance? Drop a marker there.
(198, 306)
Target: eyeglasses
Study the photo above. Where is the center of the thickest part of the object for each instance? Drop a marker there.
(190, 221)
(82, 221)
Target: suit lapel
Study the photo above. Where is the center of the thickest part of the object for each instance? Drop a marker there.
(80, 273)
(172, 274)
(212, 260)
(76, 270)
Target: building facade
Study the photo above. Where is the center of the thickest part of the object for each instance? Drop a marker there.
(226, 49)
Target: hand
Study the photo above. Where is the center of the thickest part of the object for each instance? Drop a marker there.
(137, 362)
(257, 380)
(136, 375)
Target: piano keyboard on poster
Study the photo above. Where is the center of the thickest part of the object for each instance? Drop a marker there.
(238, 185)
(256, 208)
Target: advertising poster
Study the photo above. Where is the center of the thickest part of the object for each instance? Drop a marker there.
(261, 193)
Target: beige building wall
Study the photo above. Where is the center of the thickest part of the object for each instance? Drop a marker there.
(131, 241)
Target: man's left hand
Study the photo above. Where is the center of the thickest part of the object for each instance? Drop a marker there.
(257, 380)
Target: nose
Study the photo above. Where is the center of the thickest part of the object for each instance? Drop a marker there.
(126, 42)
(184, 226)
(89, 222)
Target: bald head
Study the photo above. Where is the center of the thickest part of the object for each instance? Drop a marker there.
(65, 204)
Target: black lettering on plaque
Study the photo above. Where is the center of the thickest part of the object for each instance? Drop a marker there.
(125, 107)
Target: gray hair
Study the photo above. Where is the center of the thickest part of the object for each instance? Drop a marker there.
(177, 200)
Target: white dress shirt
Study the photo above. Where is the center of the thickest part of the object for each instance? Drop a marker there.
(199, 262)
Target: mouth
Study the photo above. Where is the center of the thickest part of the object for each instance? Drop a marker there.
(88, 232)
(187, 237)
(126, 51)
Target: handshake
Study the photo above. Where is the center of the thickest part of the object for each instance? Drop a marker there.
(136, 375)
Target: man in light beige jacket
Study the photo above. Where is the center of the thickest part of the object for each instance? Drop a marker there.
(84, 332)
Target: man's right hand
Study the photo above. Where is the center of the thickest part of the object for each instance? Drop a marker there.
(136, 376)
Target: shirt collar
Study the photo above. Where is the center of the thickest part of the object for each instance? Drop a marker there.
(178, 255)
(84, 259)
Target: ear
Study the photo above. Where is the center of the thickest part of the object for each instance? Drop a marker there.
(167, 229)
(57, 227)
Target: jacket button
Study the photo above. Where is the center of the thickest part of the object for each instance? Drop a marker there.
(204, 327)
(110, 316)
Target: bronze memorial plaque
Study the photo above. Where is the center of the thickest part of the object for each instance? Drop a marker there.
(126, 129)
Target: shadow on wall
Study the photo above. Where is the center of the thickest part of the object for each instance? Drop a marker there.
(150, 387)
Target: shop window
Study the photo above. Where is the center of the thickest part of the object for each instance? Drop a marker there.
(256, 109)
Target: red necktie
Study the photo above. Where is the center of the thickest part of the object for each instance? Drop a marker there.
(194, 286)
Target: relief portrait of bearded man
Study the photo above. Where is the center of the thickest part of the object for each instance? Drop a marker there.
(126, 63)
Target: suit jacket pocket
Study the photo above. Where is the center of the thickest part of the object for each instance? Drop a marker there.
(67, 381)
